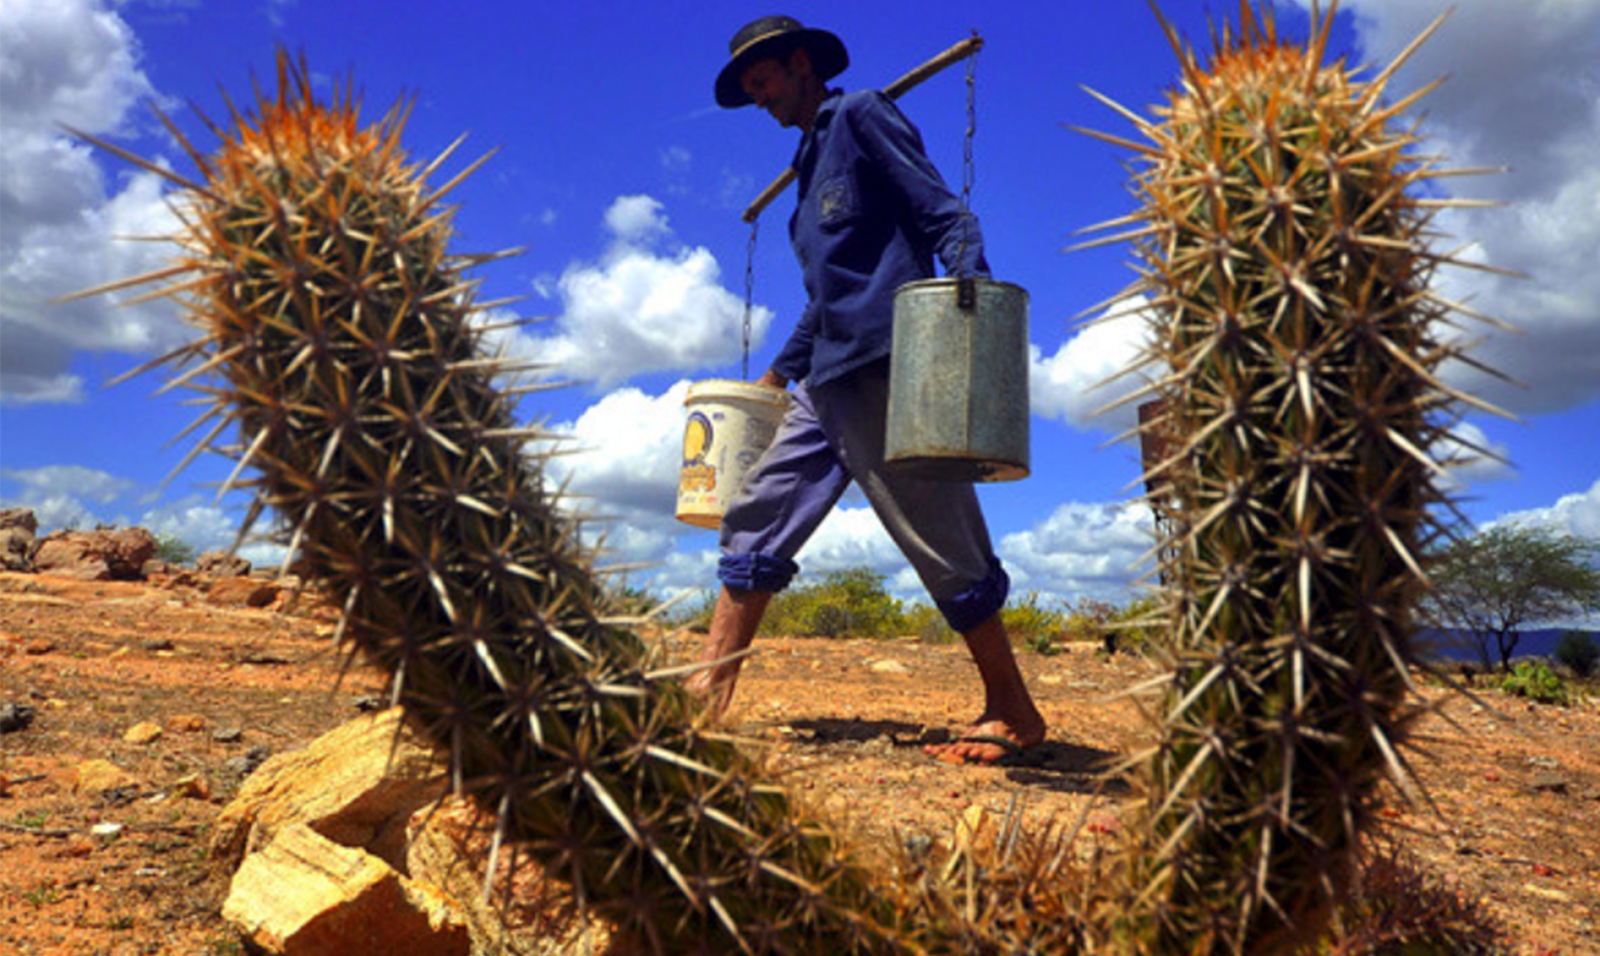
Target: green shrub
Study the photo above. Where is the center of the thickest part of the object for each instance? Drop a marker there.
(1129, 626)
(1137, 626)
(849, 603)
(924, 621)
(174, 550)
(1030, 624)
(1086, 619)
(1579, 652)
(1537, 682)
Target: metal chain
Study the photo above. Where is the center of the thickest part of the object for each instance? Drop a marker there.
(749, 291)
(968, 175)
(968, 169)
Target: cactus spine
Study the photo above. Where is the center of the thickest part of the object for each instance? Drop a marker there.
(1285, 255)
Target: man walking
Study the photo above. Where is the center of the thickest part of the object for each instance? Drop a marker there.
(872, 213)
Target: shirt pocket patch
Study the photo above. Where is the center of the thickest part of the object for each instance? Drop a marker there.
(836, 202)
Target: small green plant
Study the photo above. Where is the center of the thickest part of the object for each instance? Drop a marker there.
(1579, 652)
(33, 821)
(120, 922)
(174, 550)
(42, 895)
(224, 946)
(1537, 682)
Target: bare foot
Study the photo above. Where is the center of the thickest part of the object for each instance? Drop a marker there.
(989, 741)
(713, 692)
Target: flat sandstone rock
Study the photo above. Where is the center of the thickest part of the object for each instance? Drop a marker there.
(304, 895)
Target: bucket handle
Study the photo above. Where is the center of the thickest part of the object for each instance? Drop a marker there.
(966, 293)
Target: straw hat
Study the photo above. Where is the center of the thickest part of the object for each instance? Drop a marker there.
(776, 36)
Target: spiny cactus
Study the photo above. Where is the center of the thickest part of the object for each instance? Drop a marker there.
(1285, 251)
(339, 339)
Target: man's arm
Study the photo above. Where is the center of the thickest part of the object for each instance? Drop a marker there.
(794, 359)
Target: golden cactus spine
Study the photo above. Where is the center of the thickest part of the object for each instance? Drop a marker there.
(1284, 252)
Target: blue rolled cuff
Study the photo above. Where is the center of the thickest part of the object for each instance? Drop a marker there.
(754, 571)
(978, 603)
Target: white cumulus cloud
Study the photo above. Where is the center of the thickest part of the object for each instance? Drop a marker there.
(853, 538)
(1073, 385)
(626, 450)
(1469, 456)
(1523, 91)
(1081, 550)
(648, 304)
(1577, 514)
(74, 63)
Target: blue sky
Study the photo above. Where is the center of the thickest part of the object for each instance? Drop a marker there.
(625, 183)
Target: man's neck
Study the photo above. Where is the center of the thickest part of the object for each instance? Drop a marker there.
(814, 95)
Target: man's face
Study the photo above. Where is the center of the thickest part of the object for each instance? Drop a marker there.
(775, 87)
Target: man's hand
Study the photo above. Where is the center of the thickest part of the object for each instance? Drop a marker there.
(773, 378)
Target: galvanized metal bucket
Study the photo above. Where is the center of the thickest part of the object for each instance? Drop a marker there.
(958, 381)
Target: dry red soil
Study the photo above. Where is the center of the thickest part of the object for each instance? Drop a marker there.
(126, 870)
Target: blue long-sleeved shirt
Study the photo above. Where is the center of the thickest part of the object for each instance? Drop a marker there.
(871, 215)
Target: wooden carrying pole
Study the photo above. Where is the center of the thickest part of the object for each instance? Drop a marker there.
(893, 91)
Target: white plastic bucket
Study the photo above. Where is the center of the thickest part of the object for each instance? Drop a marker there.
(730, 424)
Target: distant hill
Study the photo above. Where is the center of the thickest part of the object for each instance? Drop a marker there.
(1457, 646)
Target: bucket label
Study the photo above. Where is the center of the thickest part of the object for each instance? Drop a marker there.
(697, 474)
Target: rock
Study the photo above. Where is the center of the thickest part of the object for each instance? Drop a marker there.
(74, 847)
(157, 568)
(356, 785)
(106, 830)
(38, 646)
(888, 666)
(1548, 783)
(1548, 892)
(186, 723)
(447, 848)
(105, 554)
(305, 895)
(18, 526)
(228, 735)
(327, 831)
(99, 776)
(144, 732)
(221, 564)
(15, 717)
(242, 592)
(247, 763)
(192, 787)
